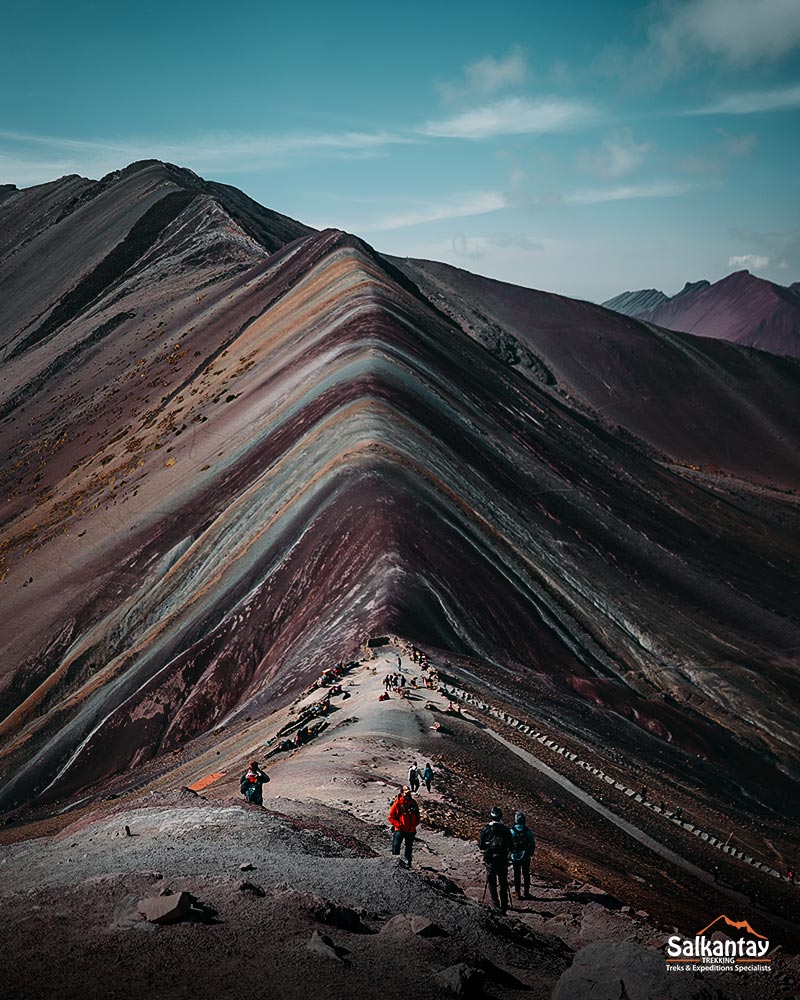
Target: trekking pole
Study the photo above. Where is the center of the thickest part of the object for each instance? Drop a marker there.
(485, 887)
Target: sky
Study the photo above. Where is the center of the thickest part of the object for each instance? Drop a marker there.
(585, 148)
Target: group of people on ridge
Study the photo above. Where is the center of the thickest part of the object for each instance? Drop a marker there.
(501, 844)
(415, 775)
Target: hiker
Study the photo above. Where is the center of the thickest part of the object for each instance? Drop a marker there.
(413, 777)
(399, 662)
(643, 793)
(252, 782)
(715, 873)
(523, 844)
(404, 817)
(427, 776)
(495, 842)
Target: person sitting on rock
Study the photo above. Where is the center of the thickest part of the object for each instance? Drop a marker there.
(252, 782)
(404, 817)
(523, 846)
(495, 842)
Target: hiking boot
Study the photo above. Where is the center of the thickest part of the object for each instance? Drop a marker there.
(527, 896)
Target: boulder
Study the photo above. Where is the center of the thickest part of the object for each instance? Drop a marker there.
(461, 980)
(602, 971)
(165, 909)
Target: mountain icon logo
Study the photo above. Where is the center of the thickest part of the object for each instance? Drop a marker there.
(726, 925)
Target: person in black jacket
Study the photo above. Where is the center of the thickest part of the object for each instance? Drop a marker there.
(523, 844)
(252, 782)
(495, 842)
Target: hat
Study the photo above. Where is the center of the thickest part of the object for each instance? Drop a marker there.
(519, 818)
(496, 813)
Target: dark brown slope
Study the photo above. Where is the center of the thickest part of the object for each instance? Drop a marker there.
(740, 308)
(229, 467)
(696, 401)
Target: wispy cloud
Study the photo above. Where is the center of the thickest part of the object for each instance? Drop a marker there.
(752, 261)
(751, 102)
(594, 196)
(618, 156)
(685, 35)
(487, 76)
(475, 247)
(512, 116)
(229, 152)
(740, 33)
(419, 212)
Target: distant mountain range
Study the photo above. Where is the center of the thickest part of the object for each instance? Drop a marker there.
(740, 308)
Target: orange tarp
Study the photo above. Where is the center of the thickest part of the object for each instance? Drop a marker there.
(209, 779)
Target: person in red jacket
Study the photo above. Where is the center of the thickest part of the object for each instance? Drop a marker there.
(404, 817)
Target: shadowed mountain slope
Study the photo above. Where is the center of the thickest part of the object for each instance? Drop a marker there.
(740, 308)
(694, 400)
(229, 459)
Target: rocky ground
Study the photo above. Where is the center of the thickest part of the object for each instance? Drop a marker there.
(303, 899)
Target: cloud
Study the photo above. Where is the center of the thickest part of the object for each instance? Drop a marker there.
(512, 116)
(419, 212)
(487, 76)
(752, 261)
(23, 162)
(739, 33)
(782, 248)
(474, 247)
(753, 102)
(594, 196)
(620, 155)
(716, 157)
(739, 145)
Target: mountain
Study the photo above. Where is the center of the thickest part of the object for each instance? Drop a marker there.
(236, 448)
(635, 303)
(740, 308)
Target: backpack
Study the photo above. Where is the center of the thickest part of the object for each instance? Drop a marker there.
(496, 842)
(522, 842)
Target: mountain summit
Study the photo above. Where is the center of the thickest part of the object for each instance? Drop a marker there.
(740, 308)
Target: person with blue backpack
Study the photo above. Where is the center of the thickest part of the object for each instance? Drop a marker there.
(523, 844)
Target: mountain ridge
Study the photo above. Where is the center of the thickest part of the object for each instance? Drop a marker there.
(269, 454)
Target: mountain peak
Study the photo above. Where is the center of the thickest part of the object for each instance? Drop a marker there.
(741, 307)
